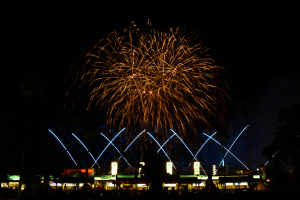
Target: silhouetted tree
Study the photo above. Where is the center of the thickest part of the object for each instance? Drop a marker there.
(223, 136)
(244, 107)
(285, 148)
(30, 88)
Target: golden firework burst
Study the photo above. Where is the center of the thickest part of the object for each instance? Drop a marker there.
(156, 78)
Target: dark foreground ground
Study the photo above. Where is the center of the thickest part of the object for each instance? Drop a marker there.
(78, 195)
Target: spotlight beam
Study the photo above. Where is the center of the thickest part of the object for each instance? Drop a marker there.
(108, 145)
(184, 144)
(187, 148)
(115, 148)
(227, 150)
(132, 142)
(86, 149)
(233, 143)
(273, 156)
(165, 142)
(204, 144)
(162, 149)
(62, 145)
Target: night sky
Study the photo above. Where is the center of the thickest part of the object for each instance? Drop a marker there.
(258, 44)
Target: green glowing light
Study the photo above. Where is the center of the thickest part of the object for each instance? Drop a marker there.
(14, 177)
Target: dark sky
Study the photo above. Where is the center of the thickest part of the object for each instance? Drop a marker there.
(258, 43)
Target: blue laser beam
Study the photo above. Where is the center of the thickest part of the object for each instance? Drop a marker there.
(115, 148)
(203, 145)
(63, 146)
(183, 143)
(233, 143)
(135, 139)
(272, 157)
(132, 142)
(267, 162)
(162, 149)
(275, 154)
(227, 150)
(165, 142)
(203, 169)
(108, 145)
(86, 149)
(194, 157)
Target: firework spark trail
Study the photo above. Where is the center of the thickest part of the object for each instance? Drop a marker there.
(152, 77)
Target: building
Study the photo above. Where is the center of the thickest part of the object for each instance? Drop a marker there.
(222, 169)
(137, 183)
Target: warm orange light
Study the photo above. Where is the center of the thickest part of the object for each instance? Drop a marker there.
(89, 170)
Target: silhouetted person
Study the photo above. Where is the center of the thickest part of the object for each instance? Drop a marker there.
(156, 187)
(173, 192)
(210, 190)
(184, 190)
(143, 193)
